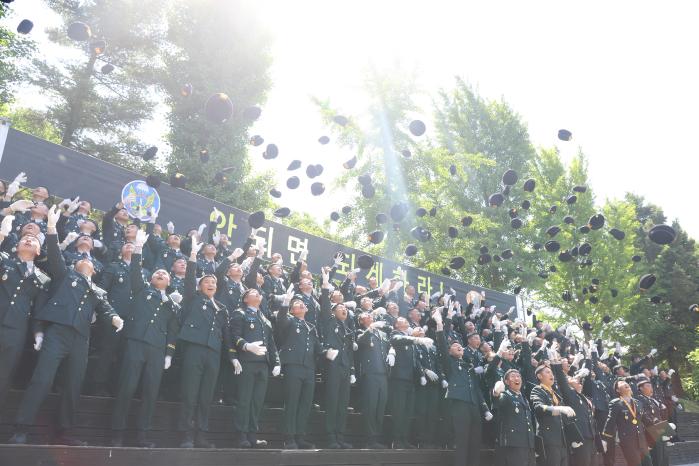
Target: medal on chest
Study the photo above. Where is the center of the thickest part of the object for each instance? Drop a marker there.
(252, 326)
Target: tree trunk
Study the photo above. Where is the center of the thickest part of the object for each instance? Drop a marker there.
(76, 102)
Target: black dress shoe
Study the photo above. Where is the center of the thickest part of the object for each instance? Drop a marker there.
(304, 445)
(117, 440)
(143, 442)
(244, 444)
(69, 441)
(344, 445)
(290, 445)
(187, 441)
(376, 446)
(202, 442)
(334, 446)
(20, 438)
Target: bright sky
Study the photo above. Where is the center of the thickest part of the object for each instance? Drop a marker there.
(620, 75)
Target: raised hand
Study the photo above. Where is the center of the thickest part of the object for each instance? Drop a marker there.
(196, 246)
(338, 258)
(170, 227)
(21, 206)
(176, 297)
(52, 218)
(6, 225)
(141, 238)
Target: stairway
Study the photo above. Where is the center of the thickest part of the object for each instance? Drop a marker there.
(93, 417)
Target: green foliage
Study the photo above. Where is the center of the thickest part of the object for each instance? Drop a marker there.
(33, 122)
(13, 48)
(95, 112)
(216, 47)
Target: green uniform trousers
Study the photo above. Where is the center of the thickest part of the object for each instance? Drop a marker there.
(299, 383)
(250, 396)
(200, 366)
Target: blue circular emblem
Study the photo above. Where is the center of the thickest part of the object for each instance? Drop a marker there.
(140, 199)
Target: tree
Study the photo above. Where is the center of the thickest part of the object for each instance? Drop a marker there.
(97, 111)
(676, 267)
(13, 48)
(33, 122)
(215, 47)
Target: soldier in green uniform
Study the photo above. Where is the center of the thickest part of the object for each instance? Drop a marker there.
(373, 357)
(467, 402)
(514, 441)
(300, 345)
(151, 332)
(255, 354)
(405, 372)
(62, 332)
(583, 448)
(549, 408)
(427, 394)
(627, 419)
(205, 329)
(115, 281)
(338, 373)
(657, 413)
(23, 288)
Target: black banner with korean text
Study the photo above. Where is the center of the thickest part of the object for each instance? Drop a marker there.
(68, 173)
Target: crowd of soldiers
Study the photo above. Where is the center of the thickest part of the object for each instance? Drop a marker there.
(451, 372)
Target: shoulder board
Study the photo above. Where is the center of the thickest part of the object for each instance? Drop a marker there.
(41, 276)
(264, 319)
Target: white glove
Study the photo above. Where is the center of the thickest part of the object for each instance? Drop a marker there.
(141, 238)
(216, 215)
(380, 311)
(52, 217)
(576, 444)
(303, 255)
(201, 229)
(431, 375)
(386, 285)
(73, 205)
(670, 372)
(424, 341)
(674, 398)
(544, 343)
(604, 355)
(391, 359)
(338, 258)
(488, 415)
(170, 227)
(423, 381)
(38, 340)
(276, 370)
(499, 388)
(577, 358)
(21, 206)
(582, 373)
(168, 362)
(63, 205)
(70, 237)
(665, 438)
(445, 384)
(176, 297)
(331, 354)
(261, 251)
(196, 246)
(118, 323)
(286, 298)
(565, 410)
(672, 425)
(437, 316)
(652, 353)
(237, 252)
(604, 445)
(6, 225)
(479, 370)
(217, 237)
(353, 379)
(378, 324)
(255, 348)
(355, 346)
(14, 186)
(237, 368)
(654, 371)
